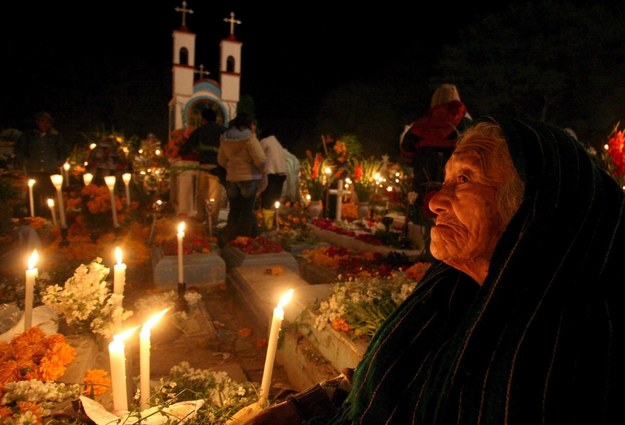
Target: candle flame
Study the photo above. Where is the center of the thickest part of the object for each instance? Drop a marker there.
(152, 321)
(277, 204)
(118, 255)
(286, 298)
(31, 182)
(66, 166)
(51, 202)
(181, 228)
(57, 180)
(87, 177)
(126, 177)
(110, 182)
(125, 335)
(32, 260)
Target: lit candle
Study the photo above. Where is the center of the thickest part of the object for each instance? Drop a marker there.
(110, 183)
(31, 275)
(180, 252)
(66, 174)
(272, 346)
(117, 357)
(126, 178)
(31, 183)
(57, 181)
(119, 273)
(277, 205)
(144, 352)
(52, 211)
(87, 178)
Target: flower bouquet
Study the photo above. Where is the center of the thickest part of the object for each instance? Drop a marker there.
(312, 177)
(366, 174)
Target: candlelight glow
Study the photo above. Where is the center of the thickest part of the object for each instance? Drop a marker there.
(32, 260)
(126, 177)
(286, 298)
(57, 180)
(110, 182)
(50, 202)
(87, 178)
(118, 255)
(181, 228)
(92, 146)
(31, 182)
(124, 335)
(66, 166)
(277, 204)
(152, 321)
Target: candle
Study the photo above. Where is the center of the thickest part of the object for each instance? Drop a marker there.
(57, 181)
(272, 346)
(277, 205)
(180, 252)
(144, 352)
(87, 178)
(66, 174)
(52, 211)
(126, 178)
(117, 357)
(110, 183)
(119, 273)
(31, 275)
(31, 183)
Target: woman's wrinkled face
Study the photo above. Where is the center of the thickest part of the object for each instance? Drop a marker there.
(468, 224)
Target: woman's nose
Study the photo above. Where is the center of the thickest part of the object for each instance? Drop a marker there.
(439, 202)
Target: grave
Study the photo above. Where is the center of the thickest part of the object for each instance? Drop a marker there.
(203, 270)
(234, 257)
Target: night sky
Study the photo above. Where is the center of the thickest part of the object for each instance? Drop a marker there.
(108, 64)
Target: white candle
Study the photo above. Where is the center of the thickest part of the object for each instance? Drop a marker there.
(119, 273)
(57, 181)
(52, 210)
(87, 178)
(180, 252)
(66, 174)
(144, 352)
(126, 178)
(110, 183)
(272, 346)
(117, 357)
(277, 205)
(31, 183)
(31, 275)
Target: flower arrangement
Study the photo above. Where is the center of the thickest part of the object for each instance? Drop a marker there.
(360, 305)
(258, 245)
(29, 364)
(223, 396)
(615, 150)
(85, 302)
(366, 175)
(312, 177)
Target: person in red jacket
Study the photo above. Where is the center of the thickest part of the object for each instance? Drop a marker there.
(428, 142)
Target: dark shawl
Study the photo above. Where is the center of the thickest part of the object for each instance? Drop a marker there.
(537, 343)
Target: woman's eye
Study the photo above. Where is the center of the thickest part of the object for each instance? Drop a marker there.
(462, 179)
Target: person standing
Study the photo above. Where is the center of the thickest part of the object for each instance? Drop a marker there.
(241, 154)
(41, 152)
(204, 140)
(428, 142)
(276, 172)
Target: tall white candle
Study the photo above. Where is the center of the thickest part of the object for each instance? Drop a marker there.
(87, 178)
(272, 346)
(119, 275)
(277, 205)
(31, 275)
(117, 357)
(66, 174)
(144, 356)
(110, 183)
(57, 181)
(52, 210)
(31, 183)
(126, 177)
(180, 252)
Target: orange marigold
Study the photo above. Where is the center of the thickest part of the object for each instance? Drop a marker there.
(97, 382)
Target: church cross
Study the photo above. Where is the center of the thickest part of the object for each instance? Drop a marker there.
(201, 71)
(232, 21)
(184, 12)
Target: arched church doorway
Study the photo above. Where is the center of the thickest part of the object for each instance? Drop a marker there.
(194, 118)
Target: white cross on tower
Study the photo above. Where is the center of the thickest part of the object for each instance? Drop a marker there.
(201, 71)
(232, 21)
(184, 12)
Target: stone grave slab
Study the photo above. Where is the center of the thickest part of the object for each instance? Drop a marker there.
(315, 274)
(234, 257)
(199, 269)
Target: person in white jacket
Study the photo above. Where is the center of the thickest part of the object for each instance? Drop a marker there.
(276, 173)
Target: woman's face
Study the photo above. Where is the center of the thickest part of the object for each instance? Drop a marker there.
(468, 224)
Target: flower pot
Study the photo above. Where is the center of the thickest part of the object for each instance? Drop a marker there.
(363, 210)
(314, 209)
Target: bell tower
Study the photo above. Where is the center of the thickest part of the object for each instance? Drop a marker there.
(183, 70)
(230, 68)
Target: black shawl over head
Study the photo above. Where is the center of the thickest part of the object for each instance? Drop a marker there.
(539, 342)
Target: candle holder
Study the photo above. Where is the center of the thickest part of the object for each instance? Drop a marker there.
(181, 302)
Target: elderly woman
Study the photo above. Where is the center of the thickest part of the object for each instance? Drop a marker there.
(519, 322)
